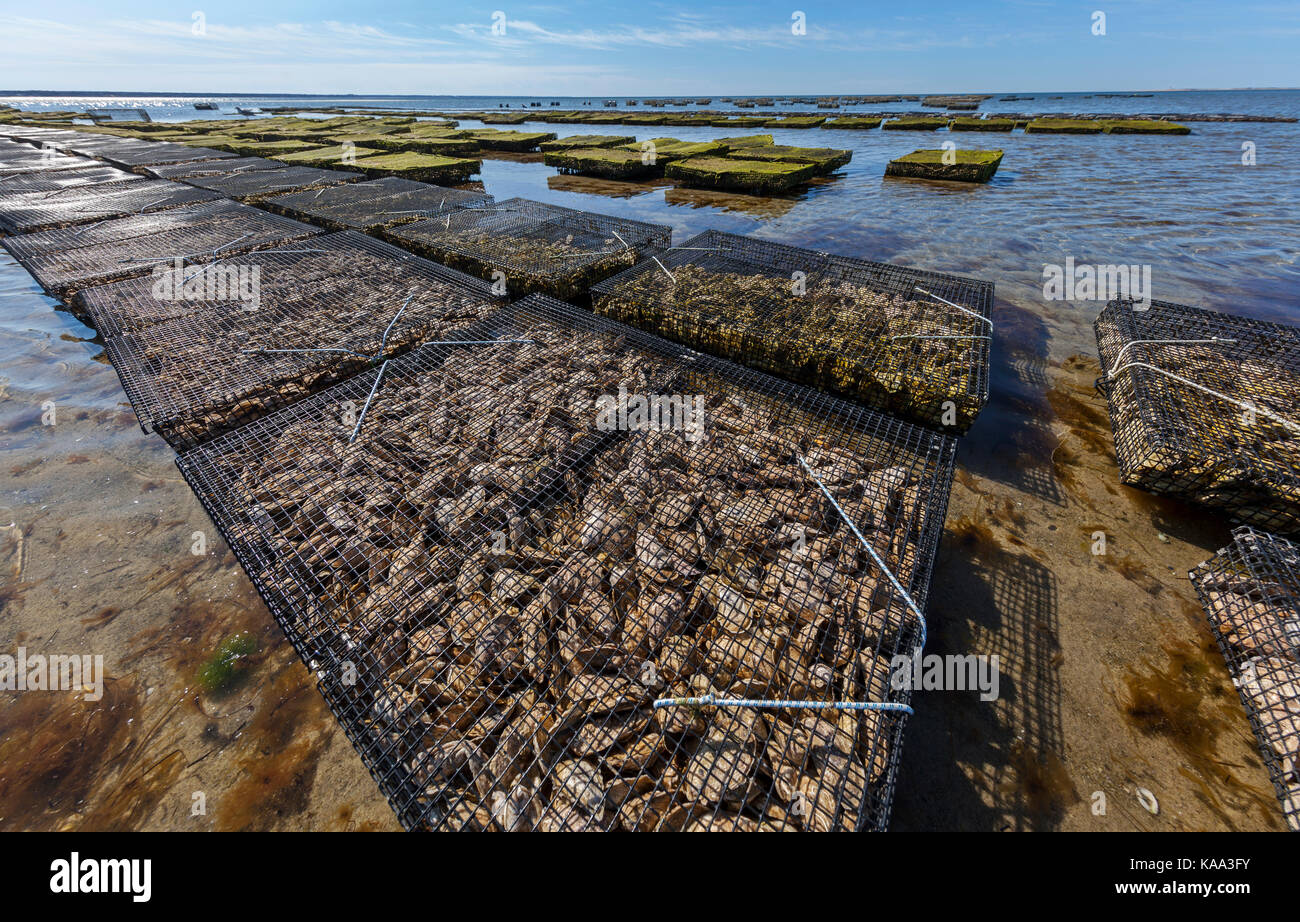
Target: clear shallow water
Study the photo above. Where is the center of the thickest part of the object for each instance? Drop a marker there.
(107, 523)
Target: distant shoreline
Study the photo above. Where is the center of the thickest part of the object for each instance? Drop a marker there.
(191, 95)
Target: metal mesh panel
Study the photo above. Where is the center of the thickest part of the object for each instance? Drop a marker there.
(539, 247)
(67, 259)
(496, 579)
(1205, 406)
(375, 204)
(878, 333)
(1251, 594)
(201, 168)
(315, 312)
(150, 153)
(258, 184)
(23, 158)
(17, 186)
(64, 207)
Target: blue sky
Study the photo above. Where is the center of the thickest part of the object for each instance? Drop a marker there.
(593, 48)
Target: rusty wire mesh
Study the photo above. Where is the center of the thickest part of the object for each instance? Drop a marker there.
(376, 204)
(885, 335)
(67, 259)
(256, 332)
(1206, 406)
(1251, 594)
(534, 247)
(501, 573)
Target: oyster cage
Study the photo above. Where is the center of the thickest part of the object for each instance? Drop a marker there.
(372, 205)
(912, 343)
(64, 260)
(1251, 593)
(1206, 406)
(495, 581)
(16, 157)
(200, 168)
(252, 185)
(537, 247)
(317, 311)
(80, 204)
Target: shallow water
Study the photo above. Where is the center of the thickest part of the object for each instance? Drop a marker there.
(1098, 654)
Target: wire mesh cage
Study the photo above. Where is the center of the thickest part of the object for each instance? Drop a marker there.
(1205, 406)
(16, 157)
(376, 204)
(132, 153)
(206, 168)
(1251, 593)
(65, 260)
(534, 247)
(25, 213)
(253, 185)
(20, 185)
(275, 326)
(539, 598)
(910, 342)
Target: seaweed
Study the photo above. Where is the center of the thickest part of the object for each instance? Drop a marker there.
(965, 165)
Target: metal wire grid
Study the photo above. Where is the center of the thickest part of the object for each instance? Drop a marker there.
(1251, 593)
(325, 308)
(493, 589)
(537, 247)
(67, 259)
(64, 207)
(910, 342)
(152, 153)
(375, 204)
(16, 157)
(258, 184)
(1206, 406)
(14, 188)
(210, 167)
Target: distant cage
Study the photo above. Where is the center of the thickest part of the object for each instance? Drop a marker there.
(493, 587)
(65, 260)
(1205, 406)
(376, 204)
(72, 205)
(253, 185)
(235, 339)
(534, 247)
(1251, 594)
(911, 342)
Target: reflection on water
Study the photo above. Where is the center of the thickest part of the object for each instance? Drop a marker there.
(95, 556)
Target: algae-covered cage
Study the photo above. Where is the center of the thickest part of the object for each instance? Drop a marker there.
(71, 205)
(1251, 593)
(252, 185)
(67, 259)
(1205, 406)
(267, 328)
(375, 204)
(534, 247)
(911, 342)
(508, 566)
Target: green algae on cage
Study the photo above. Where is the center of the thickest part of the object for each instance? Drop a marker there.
(430, 168)
(608, 164)
(982, 124)
(887, 336)
(921, 123)
(823, 159)
(853, 122)
(1064, 126)
(955, 165)
(587, 141)
(752, 176)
